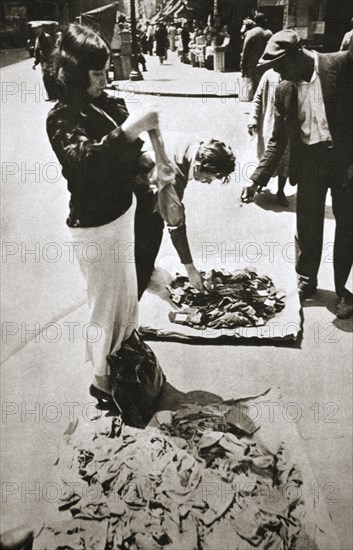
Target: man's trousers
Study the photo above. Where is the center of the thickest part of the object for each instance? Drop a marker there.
(318, 172)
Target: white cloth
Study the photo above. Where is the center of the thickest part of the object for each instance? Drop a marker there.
(107, 261)
(311, 109)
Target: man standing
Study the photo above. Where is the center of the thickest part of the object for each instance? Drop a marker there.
(313, 111)
(42, 51)
(185, 39)
(172, 33)
(254, 44)
(149, 38)
(347, 39)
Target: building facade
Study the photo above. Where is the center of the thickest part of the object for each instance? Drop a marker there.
(320, 24)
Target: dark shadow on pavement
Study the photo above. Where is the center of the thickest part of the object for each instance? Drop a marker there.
(162, 80)
(172, 399)
(328, 299)
(268, 201)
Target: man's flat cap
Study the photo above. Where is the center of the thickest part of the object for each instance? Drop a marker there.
(282, 43)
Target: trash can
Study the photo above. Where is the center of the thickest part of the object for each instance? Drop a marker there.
(193, 59)
(219, 59)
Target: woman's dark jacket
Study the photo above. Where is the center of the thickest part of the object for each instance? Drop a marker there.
(97, 161)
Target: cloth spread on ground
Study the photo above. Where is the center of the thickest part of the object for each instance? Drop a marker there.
(239, 298)
(200, 481)
(284, 327)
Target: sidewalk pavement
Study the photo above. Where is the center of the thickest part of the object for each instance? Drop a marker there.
(177, 79)
(12, 55)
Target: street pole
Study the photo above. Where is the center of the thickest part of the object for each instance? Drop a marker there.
(135, 74)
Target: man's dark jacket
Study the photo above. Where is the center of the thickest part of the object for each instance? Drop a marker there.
(336, 76)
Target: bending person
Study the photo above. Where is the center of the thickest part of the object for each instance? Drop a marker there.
(97, 145)
(204, 162)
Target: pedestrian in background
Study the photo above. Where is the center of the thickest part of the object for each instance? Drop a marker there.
(254, 45)
(261, 124)
(172, 33)
(143, 37)
(313, 110)
(140, 34)
(149, 38)
(185, 39)
(161, 37)
(247, 25)
(43, 48)
(347, 39)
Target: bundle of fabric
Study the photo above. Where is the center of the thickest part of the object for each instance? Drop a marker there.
(196, 483)
(239, 298)
(137, 380)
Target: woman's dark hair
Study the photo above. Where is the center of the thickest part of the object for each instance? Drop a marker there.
(216, 158)
(78, 51)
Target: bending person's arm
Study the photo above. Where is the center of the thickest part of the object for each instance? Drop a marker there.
(180, 242)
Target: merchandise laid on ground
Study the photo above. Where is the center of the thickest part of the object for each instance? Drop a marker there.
(232, 299)
(201, 477)
(236, 304)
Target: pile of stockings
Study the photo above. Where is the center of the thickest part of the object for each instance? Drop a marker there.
(197, 482)
(239, 298)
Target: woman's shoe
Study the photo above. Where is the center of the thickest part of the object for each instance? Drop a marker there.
(105, 400)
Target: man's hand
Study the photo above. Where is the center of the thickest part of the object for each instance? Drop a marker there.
(34, 67)
(248, 193)
(194, 277)
(252, 129)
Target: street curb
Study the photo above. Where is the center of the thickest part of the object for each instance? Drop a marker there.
(173, 94)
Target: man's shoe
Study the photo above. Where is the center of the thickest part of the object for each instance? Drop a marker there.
(306, 291)
(282, 199)
(345, 308)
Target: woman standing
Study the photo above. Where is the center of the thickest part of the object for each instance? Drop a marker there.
(261, 123)
(97, 145)
(161, 37)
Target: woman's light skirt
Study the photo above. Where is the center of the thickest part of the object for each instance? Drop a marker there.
(107, 261)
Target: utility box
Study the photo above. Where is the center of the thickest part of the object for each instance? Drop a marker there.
(121, 46)
(118, 71)
(126, 66)
(219, 59)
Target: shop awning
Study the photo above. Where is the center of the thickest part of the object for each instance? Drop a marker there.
(272, 3)
(170, 9)
(184, 11)
(102, 20)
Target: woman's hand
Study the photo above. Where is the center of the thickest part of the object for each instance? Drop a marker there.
(195, 277)
(142, 120)
(148, 161)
